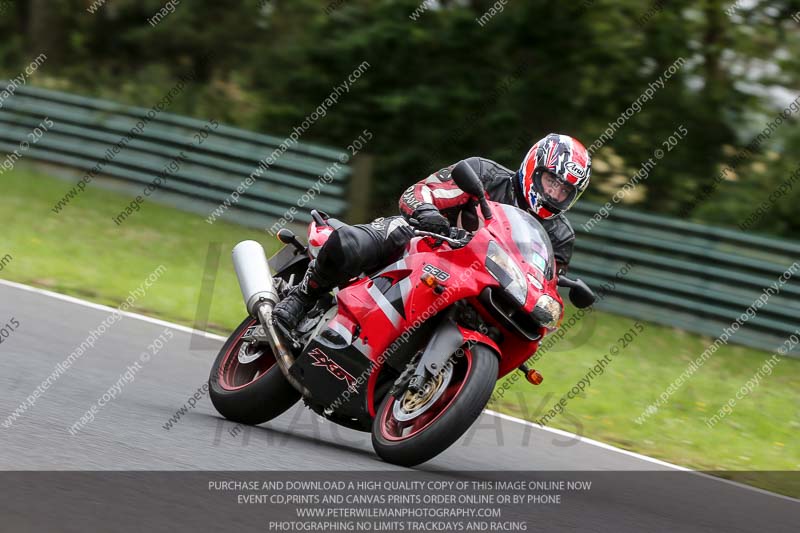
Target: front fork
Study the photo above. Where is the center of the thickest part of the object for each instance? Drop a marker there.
(448, 338)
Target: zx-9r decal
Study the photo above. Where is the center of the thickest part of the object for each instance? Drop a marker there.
(321, 359)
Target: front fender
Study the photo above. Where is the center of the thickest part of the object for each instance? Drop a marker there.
(446, 340)
(470, 335)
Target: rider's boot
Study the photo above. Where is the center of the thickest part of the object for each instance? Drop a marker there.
(301, 298)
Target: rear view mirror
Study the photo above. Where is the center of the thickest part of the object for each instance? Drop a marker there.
(468, 181)
(580, 294)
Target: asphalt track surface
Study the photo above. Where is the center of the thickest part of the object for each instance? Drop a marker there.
(128, 434)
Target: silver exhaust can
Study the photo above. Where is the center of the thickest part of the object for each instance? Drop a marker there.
(260, 297)
(255, 279)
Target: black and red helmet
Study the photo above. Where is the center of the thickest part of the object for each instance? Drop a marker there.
(567, 160)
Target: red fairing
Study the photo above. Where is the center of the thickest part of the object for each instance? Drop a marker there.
(381, 314)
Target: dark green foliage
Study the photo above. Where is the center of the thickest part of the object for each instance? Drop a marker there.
(445, 87)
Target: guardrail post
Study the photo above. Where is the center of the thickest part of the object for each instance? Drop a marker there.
(359, 189)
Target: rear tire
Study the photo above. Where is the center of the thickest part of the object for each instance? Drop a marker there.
(411, 442)
(249, 393)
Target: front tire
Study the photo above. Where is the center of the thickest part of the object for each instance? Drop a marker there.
(404, 438)
(253, 392)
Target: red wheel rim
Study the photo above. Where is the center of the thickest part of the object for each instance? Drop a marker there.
(396, 430)
(235, 375)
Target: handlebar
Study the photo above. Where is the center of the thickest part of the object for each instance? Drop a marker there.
(458, 237)
(460, 241)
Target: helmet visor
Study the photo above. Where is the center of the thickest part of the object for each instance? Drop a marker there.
(554, 191)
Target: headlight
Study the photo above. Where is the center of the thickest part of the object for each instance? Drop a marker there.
(547, 311)
(507, 272)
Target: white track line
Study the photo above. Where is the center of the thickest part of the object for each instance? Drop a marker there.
(78, 301)
(207, 335)
(587, 441)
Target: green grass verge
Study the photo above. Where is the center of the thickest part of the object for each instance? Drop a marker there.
(758, 435)
(82, 252)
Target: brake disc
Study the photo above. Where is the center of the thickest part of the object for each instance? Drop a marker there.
(248, 356)
(254, 344)
(412, 405)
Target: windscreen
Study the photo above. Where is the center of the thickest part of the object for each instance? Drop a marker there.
(531, 239)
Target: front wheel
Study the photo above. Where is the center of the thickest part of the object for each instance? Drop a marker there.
(418, 427)
(246, 385)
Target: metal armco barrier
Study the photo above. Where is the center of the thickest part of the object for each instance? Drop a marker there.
(86, 128)
(690, 276)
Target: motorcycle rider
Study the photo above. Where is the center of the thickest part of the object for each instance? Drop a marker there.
(551, 178)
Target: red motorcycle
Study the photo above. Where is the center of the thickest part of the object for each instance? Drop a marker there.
(411, 352)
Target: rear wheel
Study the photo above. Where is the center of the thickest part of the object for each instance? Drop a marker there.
(246, 385)
(418, 427)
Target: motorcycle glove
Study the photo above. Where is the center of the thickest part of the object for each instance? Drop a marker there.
(430, 219)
